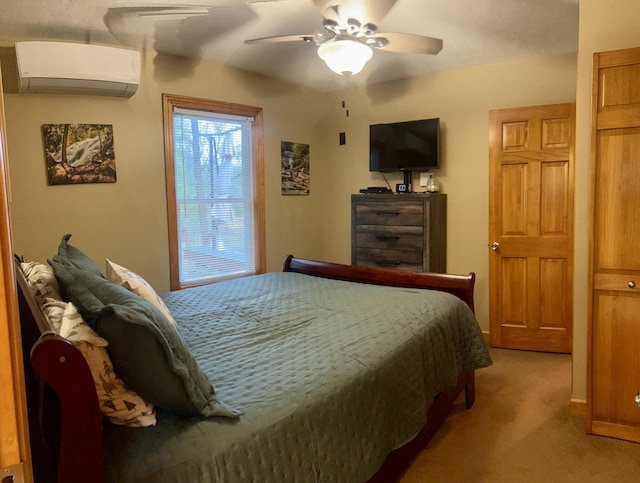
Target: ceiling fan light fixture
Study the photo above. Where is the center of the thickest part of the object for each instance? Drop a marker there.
(345, 57)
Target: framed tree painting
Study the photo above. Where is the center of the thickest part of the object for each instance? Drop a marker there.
(294, 168)
(79, 153)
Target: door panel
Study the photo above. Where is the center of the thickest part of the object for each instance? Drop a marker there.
(514, 196)
(515, 136)
(531, 227)
(617, 90)
(553, 287)
(556, 133)
(618, 205)
(615, 360)
(554, 199)
(514, 291)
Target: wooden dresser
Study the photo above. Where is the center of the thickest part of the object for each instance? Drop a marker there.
(404, 231)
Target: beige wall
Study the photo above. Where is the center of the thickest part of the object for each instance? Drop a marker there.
(604, 26)
(462, 100)
(126, 221)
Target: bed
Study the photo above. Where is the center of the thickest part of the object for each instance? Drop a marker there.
(322, 372)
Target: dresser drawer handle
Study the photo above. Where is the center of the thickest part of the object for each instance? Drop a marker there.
(384, 263)
(387, 237)
(631, 284)
(387, 213)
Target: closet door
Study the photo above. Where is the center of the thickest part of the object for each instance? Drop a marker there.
(614, 329)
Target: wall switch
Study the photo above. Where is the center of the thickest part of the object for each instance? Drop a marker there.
(424, 179)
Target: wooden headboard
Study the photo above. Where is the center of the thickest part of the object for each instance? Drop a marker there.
(65, 423)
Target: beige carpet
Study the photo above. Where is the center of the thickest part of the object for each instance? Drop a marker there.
(521, 430)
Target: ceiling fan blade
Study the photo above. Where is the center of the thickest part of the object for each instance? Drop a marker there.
(282, 38)
(161, 11)
(365, 11)
(409, 43)
(331, 13)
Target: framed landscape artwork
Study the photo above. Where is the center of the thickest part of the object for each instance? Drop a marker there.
(294, 168)
(79, 153)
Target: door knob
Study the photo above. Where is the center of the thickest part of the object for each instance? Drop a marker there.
(495, 246)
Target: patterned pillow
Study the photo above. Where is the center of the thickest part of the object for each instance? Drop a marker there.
(138, 285)
(54, 310)
(118, 404)
(42, 281)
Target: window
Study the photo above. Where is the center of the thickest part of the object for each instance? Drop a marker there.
(215, 194)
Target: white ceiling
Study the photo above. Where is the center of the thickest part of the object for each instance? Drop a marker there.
(474, 32)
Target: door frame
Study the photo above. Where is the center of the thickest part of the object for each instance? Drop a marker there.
(15, 451)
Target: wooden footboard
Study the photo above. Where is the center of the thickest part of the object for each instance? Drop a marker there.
(399, 459)
(459, 285)
(74, 448)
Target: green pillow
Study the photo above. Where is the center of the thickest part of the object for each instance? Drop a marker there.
(146, 349)
(77, 257)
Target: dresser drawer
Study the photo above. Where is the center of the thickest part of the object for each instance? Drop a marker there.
(398, 237)
(392, 214)
(395, 265)
(389, 258)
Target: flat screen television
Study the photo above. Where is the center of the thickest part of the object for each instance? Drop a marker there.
(405, 146)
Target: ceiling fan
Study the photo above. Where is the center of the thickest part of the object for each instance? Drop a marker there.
(350, 33)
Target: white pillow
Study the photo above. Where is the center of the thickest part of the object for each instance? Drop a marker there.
(119, 404)
(138, 285)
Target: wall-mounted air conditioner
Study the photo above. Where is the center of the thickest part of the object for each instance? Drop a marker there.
(69, 68)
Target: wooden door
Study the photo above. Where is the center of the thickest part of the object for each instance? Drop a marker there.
(531, 156)
(614, 295)
(15, 457)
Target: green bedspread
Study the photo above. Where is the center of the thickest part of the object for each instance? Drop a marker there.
(330, 377)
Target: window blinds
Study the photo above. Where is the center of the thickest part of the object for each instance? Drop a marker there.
(214, 195)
